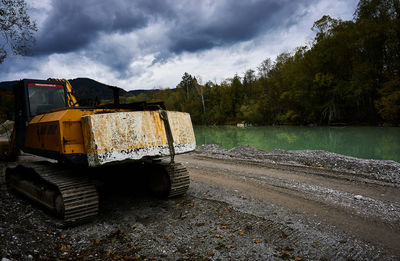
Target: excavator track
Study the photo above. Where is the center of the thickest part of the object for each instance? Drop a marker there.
(179, 179)
(73, 197)
(167, 179)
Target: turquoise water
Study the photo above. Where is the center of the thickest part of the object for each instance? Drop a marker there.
(362, 142)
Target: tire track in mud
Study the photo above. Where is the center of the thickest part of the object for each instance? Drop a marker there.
(339, 174)
(387, 209)
(367, 225)
(299, 236)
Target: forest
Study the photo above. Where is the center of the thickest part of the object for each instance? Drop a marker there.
(348, 75)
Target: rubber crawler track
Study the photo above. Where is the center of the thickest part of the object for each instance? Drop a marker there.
(79, 195)
(178, 177)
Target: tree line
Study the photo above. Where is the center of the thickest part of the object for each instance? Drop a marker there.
(349, 74)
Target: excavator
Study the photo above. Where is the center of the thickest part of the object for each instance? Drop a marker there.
(85, 142)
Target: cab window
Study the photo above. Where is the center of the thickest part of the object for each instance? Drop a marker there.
(44, 97)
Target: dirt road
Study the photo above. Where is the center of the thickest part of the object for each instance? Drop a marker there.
(234, 209)
(318, 201)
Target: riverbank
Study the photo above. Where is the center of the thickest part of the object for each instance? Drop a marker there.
(379, 170)
(381, 143)
(242, 203)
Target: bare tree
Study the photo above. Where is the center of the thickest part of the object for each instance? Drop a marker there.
(200, 91)
(16, 28)
(264, 68)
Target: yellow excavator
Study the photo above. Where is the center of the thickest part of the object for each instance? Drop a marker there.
(87, 141)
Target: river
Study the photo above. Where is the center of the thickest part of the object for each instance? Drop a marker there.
(361, 142)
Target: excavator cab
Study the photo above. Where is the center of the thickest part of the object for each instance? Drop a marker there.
(34, 97)
(45, 97)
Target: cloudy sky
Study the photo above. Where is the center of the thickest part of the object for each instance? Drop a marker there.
(145, 44)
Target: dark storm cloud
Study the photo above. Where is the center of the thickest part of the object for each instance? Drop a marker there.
(233, 21)
(171, 27)
(73, 24)
(191, 25)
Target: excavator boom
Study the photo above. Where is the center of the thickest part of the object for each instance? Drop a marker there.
(72, 101)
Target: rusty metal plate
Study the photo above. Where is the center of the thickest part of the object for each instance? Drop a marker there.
(112, 137)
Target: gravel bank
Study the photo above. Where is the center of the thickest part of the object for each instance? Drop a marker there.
(381, 170)
(236, 208)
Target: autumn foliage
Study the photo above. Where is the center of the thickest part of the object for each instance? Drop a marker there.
(349, 74)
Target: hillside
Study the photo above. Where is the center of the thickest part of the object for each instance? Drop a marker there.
(7, 85)
(137, 92)
(86, 90)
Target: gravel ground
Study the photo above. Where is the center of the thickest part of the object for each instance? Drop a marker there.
(134, 227)
(242, 204)
(381, 170)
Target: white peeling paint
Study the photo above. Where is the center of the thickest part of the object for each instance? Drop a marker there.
(138, 154)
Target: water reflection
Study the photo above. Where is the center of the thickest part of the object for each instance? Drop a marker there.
(362, 142)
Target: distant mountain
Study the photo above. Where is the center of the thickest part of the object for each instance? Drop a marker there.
(137, 92)
(7, 85)
(87, 90)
